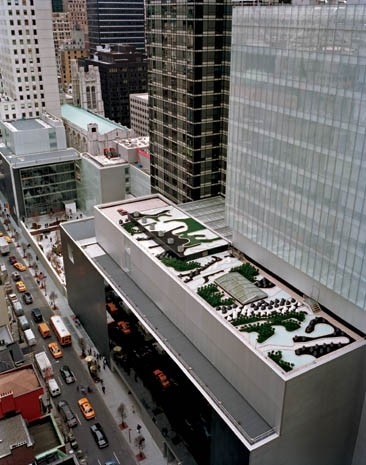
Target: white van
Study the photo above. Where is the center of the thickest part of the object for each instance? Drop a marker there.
(53, 387)
(29, 337)
(23, 322)
(18, 309)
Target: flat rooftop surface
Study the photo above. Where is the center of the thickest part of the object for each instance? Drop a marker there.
(19, 381)
(13, 431)
(103, 161)
(281, 325)
(42, 158)
(82, 118)
(27, 124)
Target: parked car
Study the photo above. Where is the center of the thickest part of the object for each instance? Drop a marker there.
(23, 322)
(86, 408)
(15, 276)
(67, 374)
(67, 414)
(124, 326)
(162, 378)
(19, 266)
(99, 435)
(27, 297)
(37, 315)
(21, 287)
(12, 259)
(55, 350)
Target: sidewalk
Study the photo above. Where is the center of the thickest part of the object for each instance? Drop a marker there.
(115, 390)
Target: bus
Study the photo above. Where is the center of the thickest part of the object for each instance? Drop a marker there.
(59, 328)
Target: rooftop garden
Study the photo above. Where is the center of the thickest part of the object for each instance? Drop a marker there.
(290, 320)
(212, 295)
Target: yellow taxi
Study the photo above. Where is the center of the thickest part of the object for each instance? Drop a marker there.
(55, 350)
(21, 287)
(19, 266)
(86, 408)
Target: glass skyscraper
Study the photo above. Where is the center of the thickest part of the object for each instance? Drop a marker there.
(296, 168)
(116, 22)
(188, 46)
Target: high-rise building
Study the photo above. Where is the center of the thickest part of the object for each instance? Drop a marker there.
(116, 22)
(28, 78)
(296, 154)
(67, 54)
(123, 71)
(188, 47)
(78, 17)
(139, 113)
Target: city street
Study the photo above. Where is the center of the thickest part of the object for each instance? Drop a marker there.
(118, 449)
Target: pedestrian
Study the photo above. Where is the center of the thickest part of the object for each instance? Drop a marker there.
(103, 389)
(77, 388)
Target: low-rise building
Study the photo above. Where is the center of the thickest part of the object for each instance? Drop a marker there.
(38, 170)
(20, 392)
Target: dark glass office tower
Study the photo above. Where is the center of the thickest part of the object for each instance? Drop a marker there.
(116, 22)
(188, 45)
(123, 71)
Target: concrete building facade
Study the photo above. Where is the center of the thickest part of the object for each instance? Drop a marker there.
(139, 114)
(28, 83)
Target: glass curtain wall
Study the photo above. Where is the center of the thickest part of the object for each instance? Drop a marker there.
(296, 159)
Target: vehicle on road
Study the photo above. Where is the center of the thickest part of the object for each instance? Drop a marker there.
(44, 330)
(30, 337)
(53, 387)
(8, 239)
(44, 365)
(86, 408)
(66, 413)
(55, 350)
(17, 308)
(124, 326)
(27, 298)
(15, 276)
(162, 378)
(4, 246)
(67, 374)
(19, 266)
(13, 298)
(12, 259)
(59, 328)
(23, 322)
(21, 287)
(37, 315)
(99, 435)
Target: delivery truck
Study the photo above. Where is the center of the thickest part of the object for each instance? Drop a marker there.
(44, 365)
(4, 246)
